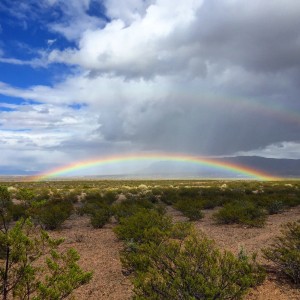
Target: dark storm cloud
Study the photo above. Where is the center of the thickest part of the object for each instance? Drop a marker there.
(202, 127)
(261, 36)
(216, 77)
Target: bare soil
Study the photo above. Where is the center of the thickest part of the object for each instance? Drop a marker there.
(99, 251)
(252, 240)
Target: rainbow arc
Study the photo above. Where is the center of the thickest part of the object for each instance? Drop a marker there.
(235, 169)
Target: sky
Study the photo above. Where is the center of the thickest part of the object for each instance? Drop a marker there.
(90, 78)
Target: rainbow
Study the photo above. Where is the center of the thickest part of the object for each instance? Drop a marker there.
(236, 169)
(269, 108)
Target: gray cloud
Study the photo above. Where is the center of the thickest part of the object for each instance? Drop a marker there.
(209, 78)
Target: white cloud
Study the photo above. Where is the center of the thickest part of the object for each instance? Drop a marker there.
(148, 81)
(146, 47)
(50, 42)
(278, 150)
(75, 20)
(127, 10)
(35, 63)
(33, 135)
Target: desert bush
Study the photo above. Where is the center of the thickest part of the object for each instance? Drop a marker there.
(191, 208)
(151, 197)
(142, 232)
(51, 214)
(21, 278)
(241, 212)
(209, 203)
(98, 207)
(109, 197)
(188, 192)
(274, 207)
(18, 211)
(285, 251)
(290, 200)
(72, 196)
(101, 216)
(195, 269)
(131, 206)
(25, 194)
(93, 196)
(5, 205)
(42, 194)
(94, 201)
(143, 226)
(169, 196)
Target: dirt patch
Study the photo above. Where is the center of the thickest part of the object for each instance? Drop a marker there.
(99, 252)
(235, 237)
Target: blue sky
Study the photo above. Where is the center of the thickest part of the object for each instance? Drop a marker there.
(85, 78)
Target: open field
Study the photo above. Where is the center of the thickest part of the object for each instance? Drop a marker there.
(238, 215)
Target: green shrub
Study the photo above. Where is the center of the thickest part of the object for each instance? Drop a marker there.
(275, 207)
(109, 197)
(291, 200)
(285, 251)
(5, 205)
(100, 217)
(272, 204)
(51, 214)
(95, 201)
(129, 207)
(188, 192)
(145, 225)
(194, 214)
(191, 208)
(43, 194)
(26, 194)
(210, 203)
(72, 196)
(18, 211)
(169, 196)
(195, 269)
(142, 232)
(241, 212)
(55, 276)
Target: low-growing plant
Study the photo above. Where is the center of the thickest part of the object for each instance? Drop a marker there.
(275, 207)
(241, 212)
(285, 251)
(18, 211)
(195, 269)
(142, 232)
(209, 203)
(144, 226)
(131, 206)
(21, 278)
(51, 214)
(191, 208)
(101, 216)
(26, 195)
(169, 196)
(5, 206)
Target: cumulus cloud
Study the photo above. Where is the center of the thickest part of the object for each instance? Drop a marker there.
(205, 77)
(279, 150)
(163, 38)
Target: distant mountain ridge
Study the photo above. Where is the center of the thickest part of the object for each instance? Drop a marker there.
(167, 169)
(274, 166)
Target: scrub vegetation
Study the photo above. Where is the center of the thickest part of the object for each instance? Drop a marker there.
(164, 259)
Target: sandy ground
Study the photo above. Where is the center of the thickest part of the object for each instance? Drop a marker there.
(99, 251)
(235, 237)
